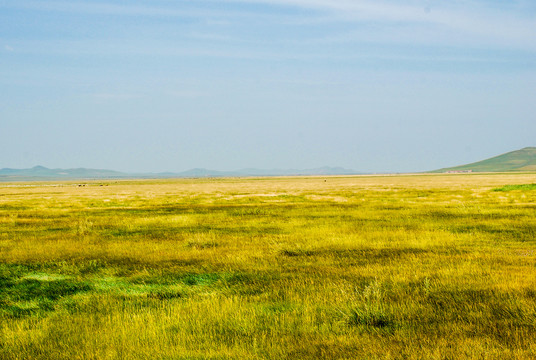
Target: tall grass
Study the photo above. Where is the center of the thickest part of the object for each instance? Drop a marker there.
(372, 267)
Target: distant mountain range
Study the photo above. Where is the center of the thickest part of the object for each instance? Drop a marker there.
(43, 173)
(519, 160)
(272, 172)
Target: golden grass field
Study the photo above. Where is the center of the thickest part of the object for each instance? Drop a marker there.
(364, 267)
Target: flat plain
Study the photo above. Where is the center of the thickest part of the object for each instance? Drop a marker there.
(361, 267)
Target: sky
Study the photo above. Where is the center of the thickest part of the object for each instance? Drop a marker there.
(170, 85)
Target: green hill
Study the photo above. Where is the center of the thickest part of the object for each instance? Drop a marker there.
(519, 160)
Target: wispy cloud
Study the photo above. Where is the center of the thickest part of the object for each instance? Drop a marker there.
(212, 16)
(510, 24)
(8, 48)
(310, 30)
(100, 8)
(505, 24)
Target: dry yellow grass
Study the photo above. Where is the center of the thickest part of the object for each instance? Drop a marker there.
(372, 267)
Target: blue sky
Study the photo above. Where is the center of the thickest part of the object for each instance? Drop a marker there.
(375, 86)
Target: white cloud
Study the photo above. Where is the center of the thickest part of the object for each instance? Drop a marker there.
(8, 48)
(468, 23)
(511, 24)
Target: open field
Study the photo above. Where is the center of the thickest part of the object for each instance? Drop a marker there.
(366, 267)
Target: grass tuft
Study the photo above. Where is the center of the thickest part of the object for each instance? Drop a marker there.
(368, 317)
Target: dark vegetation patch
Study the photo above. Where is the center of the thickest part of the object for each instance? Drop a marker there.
(203, 279)
(343, 218)
(308, 349)
(371, 318)
(123, 265)
(454, 215)
(250, 284)
(136, 212)
(231, 210)
(514, 232)
(483, 313)
(176, 329)
(247, 211)
(152, 232)
(368, 254)
(129, 263)
(202, 209)
(165, 294)
(27, 296)
(32, 289)
(9, 207)
(278, 307)
(530, 293)
(91, 266)
(388, 223)
(298, 252)
(236, 230)
(202, 244)
(474, 305)
(520, 207)
(240, 278)
(170, 233)
(40, 215)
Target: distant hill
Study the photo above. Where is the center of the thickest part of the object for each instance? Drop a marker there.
(326, 170)
(43, 173)
(519, 160)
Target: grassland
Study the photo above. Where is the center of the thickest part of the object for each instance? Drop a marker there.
(519, 160)
(369, 267)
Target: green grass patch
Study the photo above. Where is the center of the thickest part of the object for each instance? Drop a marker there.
(524, 187)
(36, 293)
